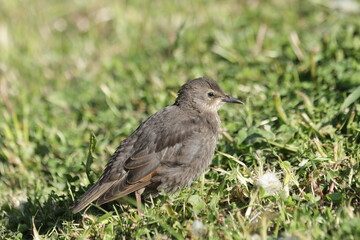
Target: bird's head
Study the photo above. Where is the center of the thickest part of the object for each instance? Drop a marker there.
(203, 94)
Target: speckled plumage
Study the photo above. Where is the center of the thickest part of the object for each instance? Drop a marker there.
(167, 151)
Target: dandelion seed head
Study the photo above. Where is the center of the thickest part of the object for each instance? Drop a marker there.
(198, 228)
(270, 183)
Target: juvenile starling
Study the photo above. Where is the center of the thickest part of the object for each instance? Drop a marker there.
(167, 151)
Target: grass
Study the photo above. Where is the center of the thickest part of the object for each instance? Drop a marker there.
(70, 70)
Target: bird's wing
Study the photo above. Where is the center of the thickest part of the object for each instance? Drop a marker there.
(139, 157)
(156, 145)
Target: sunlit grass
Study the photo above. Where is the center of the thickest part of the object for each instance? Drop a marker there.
(71, 70)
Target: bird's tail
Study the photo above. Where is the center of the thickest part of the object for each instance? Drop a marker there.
(91, 195)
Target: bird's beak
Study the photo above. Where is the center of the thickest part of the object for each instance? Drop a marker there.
(230, 99)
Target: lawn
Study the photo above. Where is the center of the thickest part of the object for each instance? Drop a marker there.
(77, 77)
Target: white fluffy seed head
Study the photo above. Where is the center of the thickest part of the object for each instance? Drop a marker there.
(198, 228)
(270, 183)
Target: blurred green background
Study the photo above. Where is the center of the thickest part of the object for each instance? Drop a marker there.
(70, 69)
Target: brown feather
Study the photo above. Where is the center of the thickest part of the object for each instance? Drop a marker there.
(108, 196)
(91, 195)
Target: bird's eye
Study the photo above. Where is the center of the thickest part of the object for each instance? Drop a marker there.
(211, 94)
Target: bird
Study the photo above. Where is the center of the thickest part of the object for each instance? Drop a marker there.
(168, 151)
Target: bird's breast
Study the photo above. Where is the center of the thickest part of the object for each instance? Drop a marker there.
(213, 124)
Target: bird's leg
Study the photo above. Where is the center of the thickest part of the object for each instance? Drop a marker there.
(138, 200)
